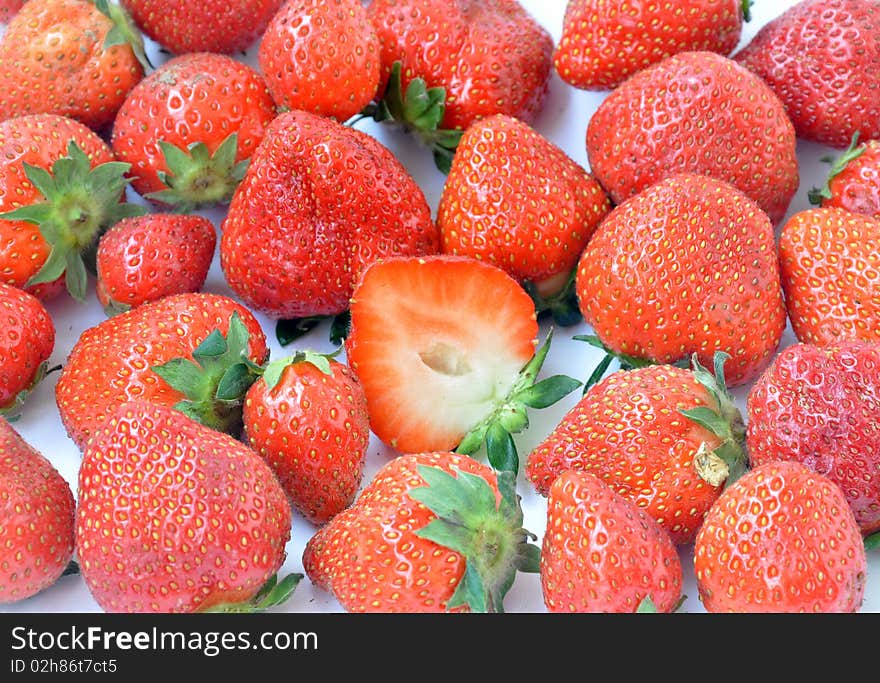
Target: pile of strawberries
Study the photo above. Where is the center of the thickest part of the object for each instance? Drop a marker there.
(296, 335)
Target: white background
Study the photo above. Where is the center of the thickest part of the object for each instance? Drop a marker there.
(563, 121)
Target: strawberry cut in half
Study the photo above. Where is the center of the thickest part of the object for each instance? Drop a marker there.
(445, 349)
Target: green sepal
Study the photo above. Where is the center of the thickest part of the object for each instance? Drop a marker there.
(289, 330)
(72, 569)
(273, 371)
(500, 449)
(873, 542)
(746, 6)
(272, 594)
(340, 328)
(562, 307)
(625, 362)
(646, 606)
(12, 411)
(114, 308)
(816, 194)
(124, 31)
(598, 372)
(548, 391)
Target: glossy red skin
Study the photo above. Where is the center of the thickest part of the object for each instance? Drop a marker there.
(781, 539)
(857, 187)
(36, 519)
(173, 516)
(110, 362)
(182, 26)
(830, 267)
(821, 407)
(601, 553)
(313, 429)
(319, 203)
(8, 8)
(605, 41)
(822, 57)
(196, 97)
(39, 140)
(687, 266)
(147, 257)
(27, 339)
(491, 56)
(695, 112)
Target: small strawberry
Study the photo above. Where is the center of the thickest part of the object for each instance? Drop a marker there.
(830, 271)
(36, 519)
(695, 112)
(196, 352)
(514, 199)
(601, 553)
(176, 517)
(822, 58)
(854, 181)
(147, 257)
(321, 56)
(189, 128)
(27, 339)
(307, 417)
(780, 539)
(432, 532)
(686, 266)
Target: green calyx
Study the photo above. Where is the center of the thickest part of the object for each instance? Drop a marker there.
(216, 380)
(490, 537)
(196, 178)
(12, 411)
(625, 362)
(124, 31)
(561, 306)
(291, 329)
(746, 6)
(272, 594)
(273, 371)
(511, 414)
(816, 195)
(80, 204)
(872, 542)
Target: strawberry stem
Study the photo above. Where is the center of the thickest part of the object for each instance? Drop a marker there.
(816, 195)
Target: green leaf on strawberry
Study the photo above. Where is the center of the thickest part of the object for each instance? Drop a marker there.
(273, 371)
(272, 594)
(124, 31)
(853, 152)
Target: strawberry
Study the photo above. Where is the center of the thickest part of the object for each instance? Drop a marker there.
(147, 257)
(84, 71)
(321, 56)
(829, 268)
(8, 8)
(60, 188)
(182, 26)
(196, 352)
(663, 437)
(36, 519)
(444, 347)
(176, 517)
(307, 417)
(696, 112)
(514, 199)
(821, 407)
(602, 553)
(189, 127)
(686, 266)
(432, 532)
(854, 180)
(605, 41)
(318, 204)
(822, 58)
(27, 340)
(780, 539)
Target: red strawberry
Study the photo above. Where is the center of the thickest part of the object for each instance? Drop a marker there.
(781, 539)
(189, 127)
(605, 41)
(308, 418)
(27, 339)
(69, 57)
(822, 57)
(196, 352)
(854, 181)
(182, 26)
(36, 519)
(686, 266)
(147, 257)
(601, 553)
(829, 266)
(318, 204)
(515, 200)
(175, 517)
(432, 532)
(8, 8)
(821, 407)
(60, 188)
(321, 56)
(696, 112)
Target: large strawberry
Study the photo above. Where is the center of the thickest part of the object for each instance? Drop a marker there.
(854, 180)
(686, 266)
(197, 352)
(432, 532)
(781, 539)
(175, 517)
(696, 112)
(318, 204)
(189, 128)
(605, 41)
(36, 519)
(822, 57)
